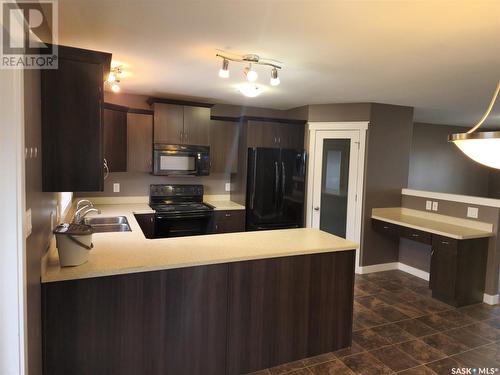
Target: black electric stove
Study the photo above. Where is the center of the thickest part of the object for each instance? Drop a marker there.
(179, 210)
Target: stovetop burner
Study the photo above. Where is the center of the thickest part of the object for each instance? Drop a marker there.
(177, 199)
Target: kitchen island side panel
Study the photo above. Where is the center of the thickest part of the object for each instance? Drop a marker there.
(228, 318)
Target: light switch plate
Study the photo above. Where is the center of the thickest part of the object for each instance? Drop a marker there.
(435, 206)
(116, 187)
(473, 212)
(428, 205)
(28, 224)
(228, 186)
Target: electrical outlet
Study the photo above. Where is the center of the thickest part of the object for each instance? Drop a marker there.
(473, 212)
(434, 206)
(28, 225)
(228, 186)
(116, 187)
(428, 205)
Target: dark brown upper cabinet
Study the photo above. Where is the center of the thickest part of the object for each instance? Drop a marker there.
(115, 139)
(140, 142)
(275, 134)
(72, 121)
(223, 146)
(180, 124)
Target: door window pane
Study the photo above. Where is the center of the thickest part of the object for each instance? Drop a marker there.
(334, 186)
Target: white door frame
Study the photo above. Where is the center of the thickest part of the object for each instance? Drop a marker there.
(12, 188)
(362, 128)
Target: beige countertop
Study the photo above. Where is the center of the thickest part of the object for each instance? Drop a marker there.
(129, 252)
(448, 226)
(224, 205)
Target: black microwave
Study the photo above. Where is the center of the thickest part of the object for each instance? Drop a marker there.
(181, 160)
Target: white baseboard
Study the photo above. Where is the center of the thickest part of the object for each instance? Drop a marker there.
(413, 271)
(491, 300)
(487, 298)
(378, 268)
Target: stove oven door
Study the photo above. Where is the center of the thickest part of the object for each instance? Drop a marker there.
(179, 225)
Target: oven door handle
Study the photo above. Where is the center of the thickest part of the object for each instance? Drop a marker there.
(184, 216)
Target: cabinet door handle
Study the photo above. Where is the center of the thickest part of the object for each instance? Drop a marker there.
(186, 136)
(106, 169)
(415, 235)
(228, 215)
(445, 242)
(385, 227)
(180, 136)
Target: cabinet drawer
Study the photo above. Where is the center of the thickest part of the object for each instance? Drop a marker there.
(229, 221)
(385, 228)
(416, 235)
(444, 242)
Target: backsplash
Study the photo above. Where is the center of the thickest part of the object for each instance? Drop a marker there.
(137, 184)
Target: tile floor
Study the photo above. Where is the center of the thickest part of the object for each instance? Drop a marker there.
(399, 328)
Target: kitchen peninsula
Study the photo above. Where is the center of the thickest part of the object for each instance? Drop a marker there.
(223, 303)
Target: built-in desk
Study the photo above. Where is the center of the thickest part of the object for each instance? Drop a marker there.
(459, 249)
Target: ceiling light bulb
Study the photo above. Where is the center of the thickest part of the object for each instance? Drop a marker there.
(224, 71)
(249, 90)
(275, 80)
(115, 87)
(251, 74)
(111, 77)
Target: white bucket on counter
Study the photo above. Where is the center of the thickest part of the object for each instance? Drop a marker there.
(73, 241)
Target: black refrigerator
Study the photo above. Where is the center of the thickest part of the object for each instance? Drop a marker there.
(275, 188)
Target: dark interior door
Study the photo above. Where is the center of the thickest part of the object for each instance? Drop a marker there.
(263, 190)
(292, 173)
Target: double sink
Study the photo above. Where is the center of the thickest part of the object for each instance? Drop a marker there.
(108, 224)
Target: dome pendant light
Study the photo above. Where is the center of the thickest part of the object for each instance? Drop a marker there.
(482, 147)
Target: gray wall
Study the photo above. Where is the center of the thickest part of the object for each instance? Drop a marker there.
(386, 165)
(386, 173)
(436, 165)
(418, 256)
(42, 205)
(137, 184)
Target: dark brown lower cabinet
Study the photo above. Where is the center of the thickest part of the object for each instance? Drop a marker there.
(147, 224)
(162, 322)
(218, 319)
(458, 270)
(457, 267)
(284, 309)
(228, 221)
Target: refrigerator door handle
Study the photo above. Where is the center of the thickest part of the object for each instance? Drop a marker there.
(276, 182)
(283, 182)
(252, 199)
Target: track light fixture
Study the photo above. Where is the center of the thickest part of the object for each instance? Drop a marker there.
(114, 78)
(275, 80)
(224, 71)
(250, 74)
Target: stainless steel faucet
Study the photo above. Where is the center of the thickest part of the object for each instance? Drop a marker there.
(82, 212)
(84, 202)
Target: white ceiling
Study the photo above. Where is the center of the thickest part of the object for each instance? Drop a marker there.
(442, 57)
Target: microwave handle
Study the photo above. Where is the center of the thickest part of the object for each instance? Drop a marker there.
(252, 200)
